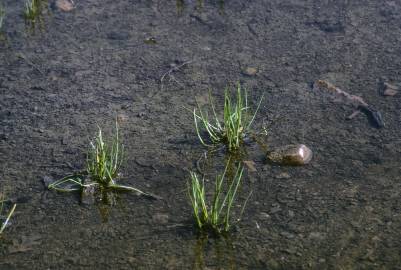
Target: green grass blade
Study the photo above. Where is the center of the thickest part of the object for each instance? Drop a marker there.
(8, 218)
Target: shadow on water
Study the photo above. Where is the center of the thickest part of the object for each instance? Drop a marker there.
(222, 172)
(200, 4)
(108, 201)
(216, 251)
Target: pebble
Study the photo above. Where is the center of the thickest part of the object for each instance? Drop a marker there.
(250, 71)
(150, 40)
(275, 209)
(264, 216)
(287, 235)
(283, 175)
(160, 218)
(47, 181)
(122, 118)
(389, 89)
(64, 5)
(316, 236)
(293, 155)
(251, 165)
(87, 195)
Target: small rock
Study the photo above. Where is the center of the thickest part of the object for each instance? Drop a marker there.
(389, 89)
(316, 236)
(160, 218)
(287, 235)
(64, 5)
(293, 155)
(250, 71)
(251, 165)
(283, 175)
(291, 213)
(88, 195)
(150, 40)
(47, 181)
(276, 208)
(121, 118)
(290, 250)
(264, 216)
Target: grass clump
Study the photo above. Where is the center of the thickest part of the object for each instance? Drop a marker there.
(104, 159)
(32, 9)
(214, 214)
(8, 217)
(103, 164)
(2, 16)
(234, 125)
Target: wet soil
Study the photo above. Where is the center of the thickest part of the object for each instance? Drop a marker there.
(105, 59)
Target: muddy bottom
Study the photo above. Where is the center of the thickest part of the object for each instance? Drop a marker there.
(144, 62)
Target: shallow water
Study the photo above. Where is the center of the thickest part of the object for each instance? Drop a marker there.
(74, 70)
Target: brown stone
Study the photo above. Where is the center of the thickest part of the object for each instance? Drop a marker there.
(64, 5)
(389, 89)
(293, 155)
(250, 71)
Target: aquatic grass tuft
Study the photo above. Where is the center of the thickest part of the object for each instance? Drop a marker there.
(32, 9)
(2, 15)
(5, 222)
(214, 215)
(235, 124)
(104, 159)
(103, 163)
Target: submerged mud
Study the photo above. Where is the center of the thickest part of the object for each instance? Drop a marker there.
(62, 77)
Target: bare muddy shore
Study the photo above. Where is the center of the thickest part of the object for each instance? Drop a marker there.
(75, 70)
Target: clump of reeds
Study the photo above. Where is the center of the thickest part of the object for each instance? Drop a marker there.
(8, 217)
(104, 159)
(214, 213)
(103, 163)
(32, 9)
(2, 15)
(234, 125)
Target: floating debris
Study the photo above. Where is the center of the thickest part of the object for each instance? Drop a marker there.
(357, 102)
(375, 117)
(353, 115)
(293, 155)
(339, 94)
